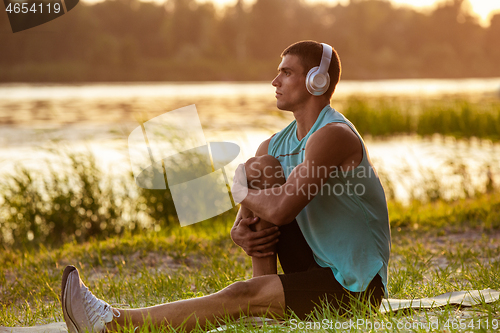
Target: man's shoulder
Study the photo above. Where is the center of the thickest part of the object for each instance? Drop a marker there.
(264, 146)
(334, 131)
(336, 141)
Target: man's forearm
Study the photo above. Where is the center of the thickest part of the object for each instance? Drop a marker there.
(270, 204)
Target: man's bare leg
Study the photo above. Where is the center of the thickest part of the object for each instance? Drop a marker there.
(266, 265)
(260, 296)
(263, 172)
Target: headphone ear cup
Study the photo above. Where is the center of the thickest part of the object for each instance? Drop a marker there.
(309, 79)
(316, 83)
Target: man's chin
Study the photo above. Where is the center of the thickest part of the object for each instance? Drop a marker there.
(283, 107)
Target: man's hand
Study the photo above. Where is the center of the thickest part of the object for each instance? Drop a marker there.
(254, 242)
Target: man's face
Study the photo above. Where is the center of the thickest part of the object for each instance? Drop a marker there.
(290, 83)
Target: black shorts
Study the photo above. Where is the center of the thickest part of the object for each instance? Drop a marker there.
(308, 285)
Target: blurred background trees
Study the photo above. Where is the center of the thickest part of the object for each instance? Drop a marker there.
(129, 40)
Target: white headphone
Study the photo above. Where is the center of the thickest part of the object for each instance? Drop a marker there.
(318, 79)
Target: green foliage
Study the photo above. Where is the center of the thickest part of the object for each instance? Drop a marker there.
(159, 205)
(55, 206)
(73, 200)
(455, 116)
(378, 117)
(184, 40)
(481, 212)
(461, 119)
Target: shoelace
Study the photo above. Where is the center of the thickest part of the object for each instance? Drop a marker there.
(97, 309)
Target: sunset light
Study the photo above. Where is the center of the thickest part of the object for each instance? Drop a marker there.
(249, 165)
(481, 8)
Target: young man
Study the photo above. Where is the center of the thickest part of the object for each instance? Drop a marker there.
(313, 200)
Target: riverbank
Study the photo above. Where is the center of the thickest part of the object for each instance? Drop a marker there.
(437, 248)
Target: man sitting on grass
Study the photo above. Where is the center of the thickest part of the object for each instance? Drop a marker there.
(313, 200)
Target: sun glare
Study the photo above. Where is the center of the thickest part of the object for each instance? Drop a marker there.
(482, 8)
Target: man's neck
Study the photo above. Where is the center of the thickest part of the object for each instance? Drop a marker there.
(306, 118)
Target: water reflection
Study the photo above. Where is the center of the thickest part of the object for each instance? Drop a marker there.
(100, 118)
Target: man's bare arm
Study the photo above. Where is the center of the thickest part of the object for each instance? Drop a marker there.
(333, 146)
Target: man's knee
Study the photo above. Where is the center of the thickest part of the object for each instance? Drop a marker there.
(259, 296)
(241, 290)
(263, 172)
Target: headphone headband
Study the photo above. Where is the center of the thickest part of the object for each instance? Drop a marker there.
(326, 58)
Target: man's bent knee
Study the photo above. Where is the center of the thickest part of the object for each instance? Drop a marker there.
(263, 172)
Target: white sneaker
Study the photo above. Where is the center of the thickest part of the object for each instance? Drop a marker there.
(83, 312)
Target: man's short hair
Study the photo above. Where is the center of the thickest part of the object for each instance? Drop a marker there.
(310, 53)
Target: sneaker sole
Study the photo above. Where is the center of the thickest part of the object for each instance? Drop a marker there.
(72, 327)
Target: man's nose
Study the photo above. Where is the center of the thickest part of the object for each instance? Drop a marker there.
(276, 82)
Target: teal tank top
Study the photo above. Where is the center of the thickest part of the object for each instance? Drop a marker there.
(346, 224)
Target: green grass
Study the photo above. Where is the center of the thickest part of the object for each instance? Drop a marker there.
(437, 247)
(440, 243)
(458, 116)
(481, 212)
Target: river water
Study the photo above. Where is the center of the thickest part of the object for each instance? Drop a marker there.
(99, 118)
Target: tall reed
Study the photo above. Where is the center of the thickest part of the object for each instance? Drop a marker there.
(73, 200)
(456, 116)
(70, 200)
